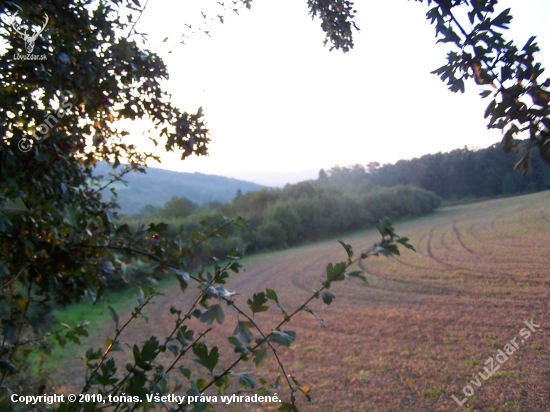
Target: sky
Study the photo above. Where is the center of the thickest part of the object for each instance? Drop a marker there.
(280, 106)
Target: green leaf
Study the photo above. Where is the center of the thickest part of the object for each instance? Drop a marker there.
(139, 360)
(183, 278)
(260, 356)
(185, 372)
(282, 338)
(15, 207)
(93, 355)
(457, 86)
(239, 347)
(108, 369)
(113, 315)
(148, 292)
(60, 340)
(184, 336)
(173, 310)
(272, 295)
(471, 15)
(223, 383)
(257, 303)
(485, 93)
(243, 329)
(208, 360)
(9, 331)
(336, 272)
(321, 321)
(503, 19)
(385, 227)
(149, 350)
(262, 392)
(213, 312)
(490, 108)
(508, 138)
(244, 379)
(174, 349)
(348, 249)
(357, 274)
(405, 242)
(386, 250)
(327, 297)
(157, 228)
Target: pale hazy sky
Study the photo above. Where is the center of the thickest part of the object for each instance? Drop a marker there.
(276, 100)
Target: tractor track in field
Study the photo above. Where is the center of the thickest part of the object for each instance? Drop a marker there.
(299, 283)
(412, 287)
(443, 242)
(405, 263)
(447, 265)
(420, 287)
(431, 254)
(411, 265)
(458, 237)
(487, 273)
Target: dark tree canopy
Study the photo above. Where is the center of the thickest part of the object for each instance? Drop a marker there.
(70, 72)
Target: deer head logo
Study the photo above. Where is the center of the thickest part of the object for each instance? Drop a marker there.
(29, 38)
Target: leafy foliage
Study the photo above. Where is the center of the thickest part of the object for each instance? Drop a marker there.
(337, 21)
(177, 207)
(315, 210)
(305, 211)
(520, 100)
(256, 304)
(60, 240)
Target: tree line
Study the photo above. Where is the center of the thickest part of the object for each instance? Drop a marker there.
(461, 173)
(279, 218)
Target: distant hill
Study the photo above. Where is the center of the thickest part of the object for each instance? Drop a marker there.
(159, 185)
(277, 179)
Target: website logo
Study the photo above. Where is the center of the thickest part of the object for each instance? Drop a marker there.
(29, 33)
(29, 39)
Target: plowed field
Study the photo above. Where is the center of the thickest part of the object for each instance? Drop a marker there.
(422, 328)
